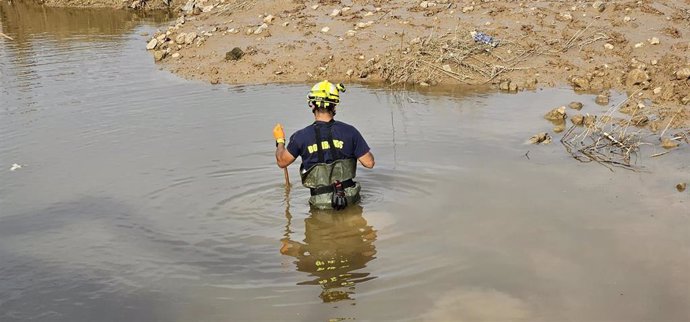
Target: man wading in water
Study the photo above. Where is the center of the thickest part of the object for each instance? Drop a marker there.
(329, 150)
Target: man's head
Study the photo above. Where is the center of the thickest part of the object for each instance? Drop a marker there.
(324, 96)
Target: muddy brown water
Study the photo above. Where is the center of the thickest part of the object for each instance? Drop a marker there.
(146, 197)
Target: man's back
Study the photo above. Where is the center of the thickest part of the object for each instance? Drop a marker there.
(349, 143)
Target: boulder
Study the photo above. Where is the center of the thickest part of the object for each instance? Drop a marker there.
(190, 37)
(235, 54)
(578, 119)
(159, 55)
(580, 83)
(557, 114)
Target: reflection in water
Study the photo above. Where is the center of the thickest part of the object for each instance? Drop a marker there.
(336, 244)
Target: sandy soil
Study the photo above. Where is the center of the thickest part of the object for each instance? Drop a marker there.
(636, 46)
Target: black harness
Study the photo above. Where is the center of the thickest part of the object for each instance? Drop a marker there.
(338, 186)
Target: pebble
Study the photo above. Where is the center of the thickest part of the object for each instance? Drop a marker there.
(158, 55)
(667, 143)
(654, 41)
(349, 72)
(639, 45)
(325, 29)
(351, 33)
(180, 38)
(599, 5)
(269, 19)
(261, 29)
(285, 24)
(657, 90)
(368, 14)
(681, 187)
(314, 7)
(608, 46)
(627, 19)
(467, 9)
(176, 55)
(362, 25)
(336, 12)
(345, 9)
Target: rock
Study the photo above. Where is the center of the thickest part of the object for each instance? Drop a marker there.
(580, 83)
(176, 55)
(504, 85)
(602, 99)
(654, 41)
(513, 87)
(336, 12)
(249, 31)
(349, 72)
(325, 29)
(424, 4)
(190, 37)
(565, 16)
(153, 43)
(578, 119)
(575, 105)
(423, 84)
(656, 90)
(590, 120)
(350, 33)
(196, 11)
(685, 100)
(467, 9)
(260, 29)
(627, 19)
(180, 39)
(363, 74)
(599, 6)
(235, 54)
(362, 25)
(345, 9)
(269, 19)
(557, 114)
(683, 73)
(189, 6)
(540, 138)
(639, 45)
(608, 46)
(559, 126)
(159, 55)
(681, 187)
(314, 7)
(667, 143)
(639, 120)
(636, 77)
(447, 68)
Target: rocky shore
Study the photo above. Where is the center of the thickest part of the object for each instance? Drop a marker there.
(640, 47)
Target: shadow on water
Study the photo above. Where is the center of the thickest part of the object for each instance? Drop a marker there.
(336, 245)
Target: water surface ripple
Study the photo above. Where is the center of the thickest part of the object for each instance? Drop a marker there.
(145, 197)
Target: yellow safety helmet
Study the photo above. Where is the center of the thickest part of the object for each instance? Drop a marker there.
(325, 94)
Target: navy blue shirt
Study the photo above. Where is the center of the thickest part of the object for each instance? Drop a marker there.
(347, 140)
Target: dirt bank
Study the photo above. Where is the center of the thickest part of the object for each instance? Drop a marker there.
(116, 4)
(638, 47)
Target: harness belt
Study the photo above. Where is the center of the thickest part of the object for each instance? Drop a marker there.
(330, 188)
